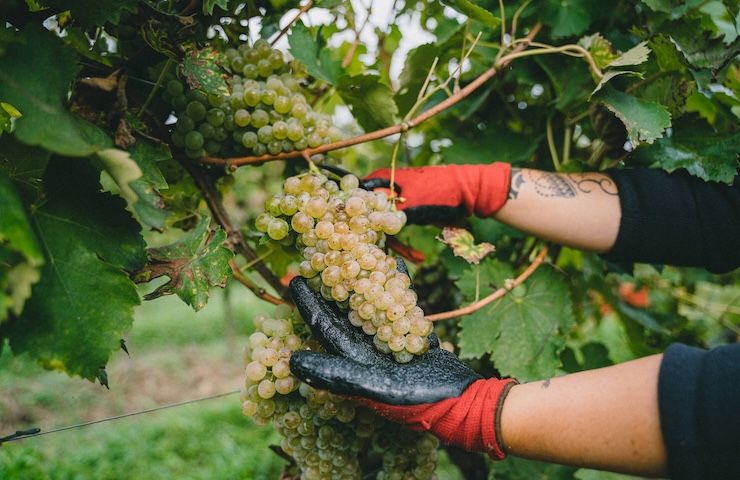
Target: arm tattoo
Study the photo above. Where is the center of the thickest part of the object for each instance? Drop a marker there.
(516, 183)
(546, 383)
(549, 184)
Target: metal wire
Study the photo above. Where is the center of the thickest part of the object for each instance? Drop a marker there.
(36, 432)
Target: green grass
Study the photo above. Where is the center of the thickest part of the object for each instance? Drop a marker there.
(175, 355)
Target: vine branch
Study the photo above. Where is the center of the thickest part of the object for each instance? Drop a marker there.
(475, 306)
(234, 163)
(222, 218)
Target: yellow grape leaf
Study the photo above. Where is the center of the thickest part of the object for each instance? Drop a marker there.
(463, 244)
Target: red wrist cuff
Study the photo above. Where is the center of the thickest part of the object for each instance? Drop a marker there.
(470, 421)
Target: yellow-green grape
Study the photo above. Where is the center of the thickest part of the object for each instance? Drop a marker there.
(266, 110)
(338, 228)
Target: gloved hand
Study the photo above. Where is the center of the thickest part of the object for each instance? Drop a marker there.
(445, 194)
(434, 392)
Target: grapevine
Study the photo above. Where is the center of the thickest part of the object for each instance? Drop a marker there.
(264, 113)
(338, 228)
(328, 436)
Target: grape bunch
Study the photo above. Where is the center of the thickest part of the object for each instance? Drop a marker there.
(338, 228)
(266, 111)
(329, 437)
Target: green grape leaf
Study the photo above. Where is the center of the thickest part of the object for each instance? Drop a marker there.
(474, 12)
(668, 56)
(209, 5)
(310, 52)
(463, 245)
(24, 165)
(510, 147)
(608, 76)
(371, 101)
(93, 13)
(700, 47)
(696, 147)
(600, 49)
(712, 305)
(634, 56)
(20, 252)
(150, 207)
(84, 300)
(35, 75)
(415, 71)
(193, 264)
(202, 68)
(566, 17)
(645, 121)
(7, 113)
(523, 332)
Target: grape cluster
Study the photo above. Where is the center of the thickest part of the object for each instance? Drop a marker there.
(266, 111)
(338, 228)
(330, 437)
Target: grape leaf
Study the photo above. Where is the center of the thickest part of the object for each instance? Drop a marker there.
(93, 13)
(714, 306)
(566, 17)
(208, 5)
(522, 332)
(202, 68)
(192, 264)
(645, 121)
(24, 165)
(463, 244)
(20, 253)
(311, 53)
(371, 101)
(35, 75)
(634, 56)
(73, 321)
(415, 71)
(7, 113)
(695, 146)
(599, 48)
(150, 206)
(510, 147)
(474, 12)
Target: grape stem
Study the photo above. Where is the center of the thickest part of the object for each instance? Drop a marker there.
(236, 239)
(234, 163)
(258, 291)
(285, 29)
(475, 306)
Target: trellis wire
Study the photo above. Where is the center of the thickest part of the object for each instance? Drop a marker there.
(36, 432)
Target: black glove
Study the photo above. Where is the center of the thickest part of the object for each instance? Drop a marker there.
(433, 392)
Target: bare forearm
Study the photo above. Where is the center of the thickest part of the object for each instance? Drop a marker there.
(580, 210)
(606, 419)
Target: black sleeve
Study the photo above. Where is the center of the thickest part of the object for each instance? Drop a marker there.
(699, 399)
(677, 219)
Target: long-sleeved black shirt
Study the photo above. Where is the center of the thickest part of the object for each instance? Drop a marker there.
(678, 219)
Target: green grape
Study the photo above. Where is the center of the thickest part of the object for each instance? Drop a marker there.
(268, 97)
(194, 140)
(274, 147)
(207, 130)
(184, 124)
(264, 134)
(175, 88)
(179, 103)
(283, 104)
(264, 67)
(260, 118)
(242, 117)
(280, 130)
(252, 96)
(249, 139)
(215, 117)
(250, 71)
(196, 110)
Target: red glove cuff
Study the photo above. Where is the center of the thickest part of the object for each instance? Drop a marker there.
(470, 421)
(481, 189)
